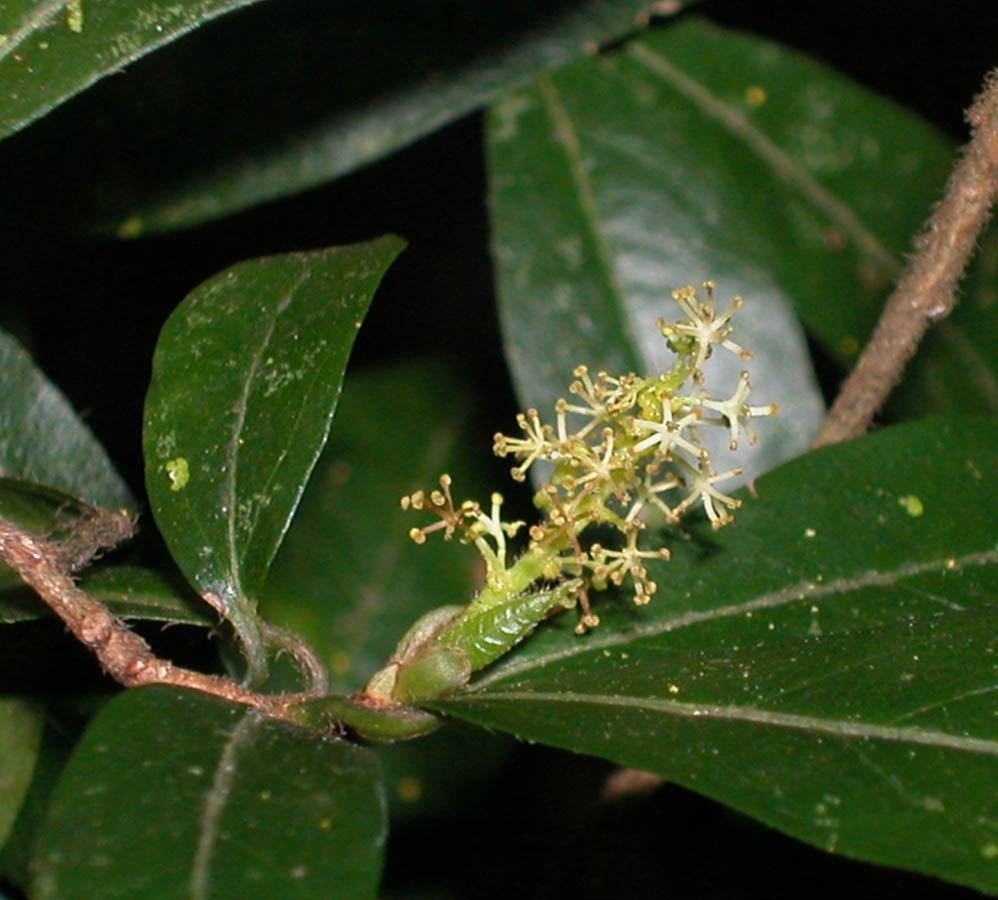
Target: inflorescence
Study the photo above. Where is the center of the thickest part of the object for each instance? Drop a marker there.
(622, 446)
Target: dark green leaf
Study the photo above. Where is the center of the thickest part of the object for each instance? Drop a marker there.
(134, 593)
(53, 49)
(367, 79)
(827, 664)
(42, 439)
(20, 734)
(53, 750)
(246, 377)
(178, 794)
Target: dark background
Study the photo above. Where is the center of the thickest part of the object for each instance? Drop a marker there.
(90, 307)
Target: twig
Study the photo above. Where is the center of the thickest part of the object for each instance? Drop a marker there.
(926, 291)
(123, 654)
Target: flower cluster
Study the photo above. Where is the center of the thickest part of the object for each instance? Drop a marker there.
(622, 446)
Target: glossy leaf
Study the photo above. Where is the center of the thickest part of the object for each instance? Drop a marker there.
(700, 153)
(21, 724)
(50, 51)
(368, 79)
(178, 794)
(246, 377)
(826, 664)
(42, 439)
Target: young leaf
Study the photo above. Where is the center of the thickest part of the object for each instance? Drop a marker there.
(178, 794)
(52, 50)
(42, 439)
(825, 665)
(246, 377)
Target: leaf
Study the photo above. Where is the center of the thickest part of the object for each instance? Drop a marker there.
(827, 664)
(178, 794)
(53, 49)
(52, 751)
(246, 376)
(20, 735)
(695, 153)
(368, 79)
(607, 193)
(42, 439)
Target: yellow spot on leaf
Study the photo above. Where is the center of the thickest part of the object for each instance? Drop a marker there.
(341, 663)
(179, 472)
(849, 345)
(755, 96)
(74, 15)
(132, 227)
(409, 789)
(912, 505)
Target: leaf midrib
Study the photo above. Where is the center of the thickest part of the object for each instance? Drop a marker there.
(841, 728)
(215, 803)
(784, 167)
(796, 592)
(565, 134)
(232, 454)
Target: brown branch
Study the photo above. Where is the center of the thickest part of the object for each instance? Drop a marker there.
(123, 654)
(926, 291)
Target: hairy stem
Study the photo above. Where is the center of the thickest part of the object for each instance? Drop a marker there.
(926, 291)
(123, 654)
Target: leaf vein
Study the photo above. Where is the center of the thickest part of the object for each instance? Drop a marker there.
(215, 803)
(809, 591)
(781, 163)
(840, 728)
(566, 135)
(242, 409)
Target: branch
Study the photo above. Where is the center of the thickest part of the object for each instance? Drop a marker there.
(123, 654)
(926, 291)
